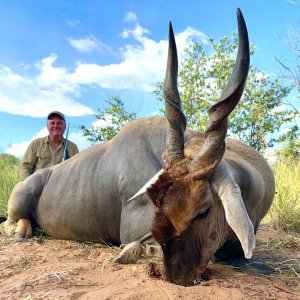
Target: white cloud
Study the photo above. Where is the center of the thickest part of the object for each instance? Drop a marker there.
(130, 17)
(260, 75)
(87, 44)
(81, 142)
(184, 38)
(137, 33)
(35, 97)
(102, 123)
(50, 75)
(18, 149)
(142, 63)
(73, 23)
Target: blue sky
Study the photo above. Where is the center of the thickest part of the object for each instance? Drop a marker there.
(72, 55)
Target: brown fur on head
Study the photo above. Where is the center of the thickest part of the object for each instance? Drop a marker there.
(179, 198)
(189, 223)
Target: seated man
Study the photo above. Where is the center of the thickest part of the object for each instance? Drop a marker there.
(47, 151)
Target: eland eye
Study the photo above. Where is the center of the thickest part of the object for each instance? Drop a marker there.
(202, 214)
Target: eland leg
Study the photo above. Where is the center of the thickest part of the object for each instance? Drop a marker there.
(20, 230)
(23, 230)
(22, 203)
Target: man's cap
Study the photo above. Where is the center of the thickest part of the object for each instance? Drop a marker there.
(56, 113)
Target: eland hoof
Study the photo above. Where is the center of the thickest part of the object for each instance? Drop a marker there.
(23, 230)
(9, 228)
(130, 254)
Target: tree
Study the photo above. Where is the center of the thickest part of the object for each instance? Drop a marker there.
(110, 121)
(291, 70)
(291, 146)
(202, 77)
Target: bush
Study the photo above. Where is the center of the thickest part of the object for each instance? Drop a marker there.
(9, 176)
(285, 211)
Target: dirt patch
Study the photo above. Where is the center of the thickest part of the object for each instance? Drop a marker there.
(52, 269)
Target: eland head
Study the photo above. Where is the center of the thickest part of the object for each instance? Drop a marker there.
(196, 204)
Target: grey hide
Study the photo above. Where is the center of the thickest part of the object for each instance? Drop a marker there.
(85, 197)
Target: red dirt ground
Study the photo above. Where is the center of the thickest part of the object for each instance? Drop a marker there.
(44, 268)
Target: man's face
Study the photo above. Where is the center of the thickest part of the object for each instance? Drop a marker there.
(56, 127)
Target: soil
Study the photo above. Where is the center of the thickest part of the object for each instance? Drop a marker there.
(44, 268)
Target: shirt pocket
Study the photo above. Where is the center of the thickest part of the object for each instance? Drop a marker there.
(43, 159)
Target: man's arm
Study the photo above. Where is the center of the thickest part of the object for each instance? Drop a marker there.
(28, 162)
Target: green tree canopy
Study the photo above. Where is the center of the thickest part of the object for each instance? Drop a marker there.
(111, 120)
(260, 113)
(291, 146)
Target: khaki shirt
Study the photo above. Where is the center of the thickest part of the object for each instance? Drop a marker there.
(40, 154)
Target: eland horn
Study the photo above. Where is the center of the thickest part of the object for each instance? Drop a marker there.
(174, 114)
(213, 148)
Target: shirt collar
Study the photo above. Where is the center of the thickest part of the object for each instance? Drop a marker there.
(46, 140)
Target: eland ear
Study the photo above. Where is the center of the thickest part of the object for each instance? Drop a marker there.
(235, 211)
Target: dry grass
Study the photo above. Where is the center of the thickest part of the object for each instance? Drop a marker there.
(285, 211)
(9, 176)
(282, 250)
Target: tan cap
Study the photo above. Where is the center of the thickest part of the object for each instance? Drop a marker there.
(58, 114)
